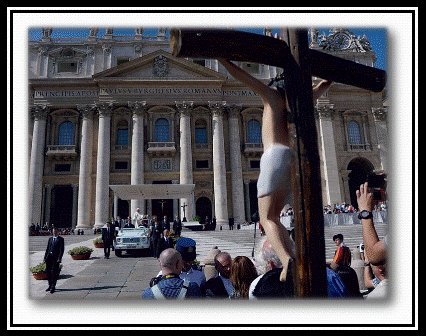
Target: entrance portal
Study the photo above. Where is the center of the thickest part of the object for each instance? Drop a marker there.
(61, 211)
(360, 168)
(203, 209)
(123, 208)
(162, 207)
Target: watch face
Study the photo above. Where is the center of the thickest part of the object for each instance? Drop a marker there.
(364, 214)
(342, 41)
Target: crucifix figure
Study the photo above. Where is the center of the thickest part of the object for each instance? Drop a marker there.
(162, 206)
(290, 163)
(274, 189)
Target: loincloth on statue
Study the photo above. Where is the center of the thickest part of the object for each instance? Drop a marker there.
(275, 171)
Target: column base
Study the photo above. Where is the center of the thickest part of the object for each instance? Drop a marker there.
(223, 224)
(84, 226)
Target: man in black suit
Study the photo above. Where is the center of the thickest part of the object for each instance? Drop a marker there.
(177, 226)
(52, 258)
(155, 238)
(165, 242)
(231, 223)
(220, 286)
(165, 224)
(108, 235)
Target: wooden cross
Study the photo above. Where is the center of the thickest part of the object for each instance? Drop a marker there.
(183, 207)
(299, 63)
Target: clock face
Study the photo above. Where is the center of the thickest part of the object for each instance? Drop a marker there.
(342, 41)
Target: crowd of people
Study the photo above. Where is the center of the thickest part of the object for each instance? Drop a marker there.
(349, 208)
(240, 277)
(46, 230)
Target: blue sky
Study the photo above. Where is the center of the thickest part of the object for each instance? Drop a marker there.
(376, 36)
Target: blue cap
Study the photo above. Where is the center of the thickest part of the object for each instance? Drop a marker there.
(186, 247)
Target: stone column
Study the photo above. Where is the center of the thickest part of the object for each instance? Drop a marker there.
(331, 170)
(380, 115)
(107, 53)
(176, 203)
(345, 179)
(247, 199)
(236, 169)
(48, 202)
(115, 206)
(137, 162)
(35, 187)
(102, 167)
(74, 204)
(219, 166)
(186, 177)
(85, 175)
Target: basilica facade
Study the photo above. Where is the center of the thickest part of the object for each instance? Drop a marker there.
(118, 110)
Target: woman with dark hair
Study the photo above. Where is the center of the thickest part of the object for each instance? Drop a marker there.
(350, 279)
(243, 272)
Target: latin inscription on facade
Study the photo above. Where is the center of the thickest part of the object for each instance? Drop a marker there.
(139, 91)
(162, 165)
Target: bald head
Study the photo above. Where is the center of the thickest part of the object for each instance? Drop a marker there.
(170, 261)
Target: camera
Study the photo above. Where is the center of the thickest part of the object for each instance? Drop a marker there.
(377, 186)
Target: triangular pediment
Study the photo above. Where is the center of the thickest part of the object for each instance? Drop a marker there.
(159, 65)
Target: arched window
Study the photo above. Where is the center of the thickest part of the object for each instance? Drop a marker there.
(354, 133)
(201, 132)
(162, 132)
(122, 133)
(66, 134)
(254, 132)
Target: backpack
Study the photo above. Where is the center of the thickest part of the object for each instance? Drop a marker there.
(158, 295)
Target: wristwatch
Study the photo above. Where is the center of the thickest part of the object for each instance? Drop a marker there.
(365, 214)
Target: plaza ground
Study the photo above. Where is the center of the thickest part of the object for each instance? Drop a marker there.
(127, 277)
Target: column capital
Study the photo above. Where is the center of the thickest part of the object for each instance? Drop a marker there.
(379, 113)
(104, 109)
(184, 107)
(40, 112)
(344, 173)
(86, 110)
(324, 110)
(217, 108)
(234, 110)
(138, 107)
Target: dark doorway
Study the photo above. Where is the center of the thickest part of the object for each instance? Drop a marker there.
(61, 210)
(360, 168)
(123, 208)
(254, 207)
(162, 207)
(203, 208)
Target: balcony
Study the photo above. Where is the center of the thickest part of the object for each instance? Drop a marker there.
(253, 149)
(62, 152)
(161, 149)
(359, 147)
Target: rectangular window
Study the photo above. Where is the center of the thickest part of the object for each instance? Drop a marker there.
(121, 165)
(201, 62)
(67, 67)
(255, 164)
(123, 137)
(200, 135)
(122, 60)
(62, 167)
(202, 164)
